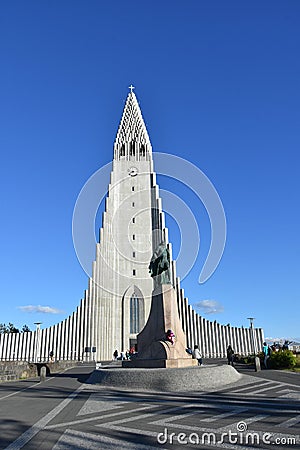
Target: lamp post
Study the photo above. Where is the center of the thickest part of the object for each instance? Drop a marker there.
(252, 334)
(37, 341)
(256, 358)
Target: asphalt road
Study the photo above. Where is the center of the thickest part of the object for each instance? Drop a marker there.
(65, 413)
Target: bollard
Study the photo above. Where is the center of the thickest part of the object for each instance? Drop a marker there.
(43, 374)
(257, 364)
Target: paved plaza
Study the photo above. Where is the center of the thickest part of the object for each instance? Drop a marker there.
(66, 412)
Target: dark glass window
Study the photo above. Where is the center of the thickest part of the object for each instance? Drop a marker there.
(134, 314)
(122, 150)
(132, 148)
(142, 150)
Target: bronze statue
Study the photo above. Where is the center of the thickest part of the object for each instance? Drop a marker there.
(159, 266)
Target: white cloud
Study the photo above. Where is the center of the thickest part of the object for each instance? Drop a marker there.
(209, 306)
(40, 309)
(282, 339)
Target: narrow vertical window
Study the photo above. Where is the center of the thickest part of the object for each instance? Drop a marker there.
(142, 150)
(132, 188)
(122, 150)
(132, 203)
(134, 314)
(133, 272)
(133, 220)
(133, 237)
(133, 254)
(132, 148)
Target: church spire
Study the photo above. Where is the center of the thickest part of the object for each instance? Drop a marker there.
(132, 142)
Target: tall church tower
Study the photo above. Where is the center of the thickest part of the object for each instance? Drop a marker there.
(133, 226)
(116, 304)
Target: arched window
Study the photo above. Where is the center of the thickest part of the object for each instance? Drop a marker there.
(134, 313)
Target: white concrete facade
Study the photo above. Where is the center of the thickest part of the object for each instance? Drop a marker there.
(117, 302)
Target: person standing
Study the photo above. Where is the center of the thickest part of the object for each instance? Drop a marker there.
(230, 355)
(266, 353)
(197, 355)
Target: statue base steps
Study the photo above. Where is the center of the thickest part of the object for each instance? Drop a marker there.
(207, 378)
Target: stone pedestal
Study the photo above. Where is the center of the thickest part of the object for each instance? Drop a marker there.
(154, 350)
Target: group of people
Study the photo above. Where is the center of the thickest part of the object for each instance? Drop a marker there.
(196, 354)
(124, 355)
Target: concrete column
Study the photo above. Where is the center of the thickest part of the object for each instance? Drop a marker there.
(222, 340)
(183, 316)
(43, 354)
(201, 334)
(218, 350)
(186, 321)
(190, 326)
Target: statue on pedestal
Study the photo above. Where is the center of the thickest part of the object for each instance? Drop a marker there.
(159, 266)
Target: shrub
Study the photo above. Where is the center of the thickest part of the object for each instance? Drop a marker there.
(283, 359)
(244, 359)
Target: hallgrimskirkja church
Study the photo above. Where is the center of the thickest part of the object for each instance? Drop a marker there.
(116, 304)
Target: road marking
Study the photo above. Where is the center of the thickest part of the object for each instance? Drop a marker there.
(144, 416)
(254, 386)
(290, 422)
(267, 389)
(117, 426)
(91, 419)
(40, 425)
(36, 384)
(94, 404)
(292, 394)
(78, 439)
(25, 389)
(224, 415)
(135, 431)
(247, 421)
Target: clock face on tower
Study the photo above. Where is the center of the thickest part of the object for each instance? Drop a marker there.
(132, 171)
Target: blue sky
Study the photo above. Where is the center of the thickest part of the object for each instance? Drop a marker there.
(218, 84)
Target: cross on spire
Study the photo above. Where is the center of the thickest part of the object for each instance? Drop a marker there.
(131, 88)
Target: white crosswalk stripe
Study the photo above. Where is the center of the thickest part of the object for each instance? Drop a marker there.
(234, 412)
(290, 422)
(250, 388)
(248, 421)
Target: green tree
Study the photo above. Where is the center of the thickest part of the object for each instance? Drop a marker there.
(12, 328)
(3, 328)
(284, 359)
